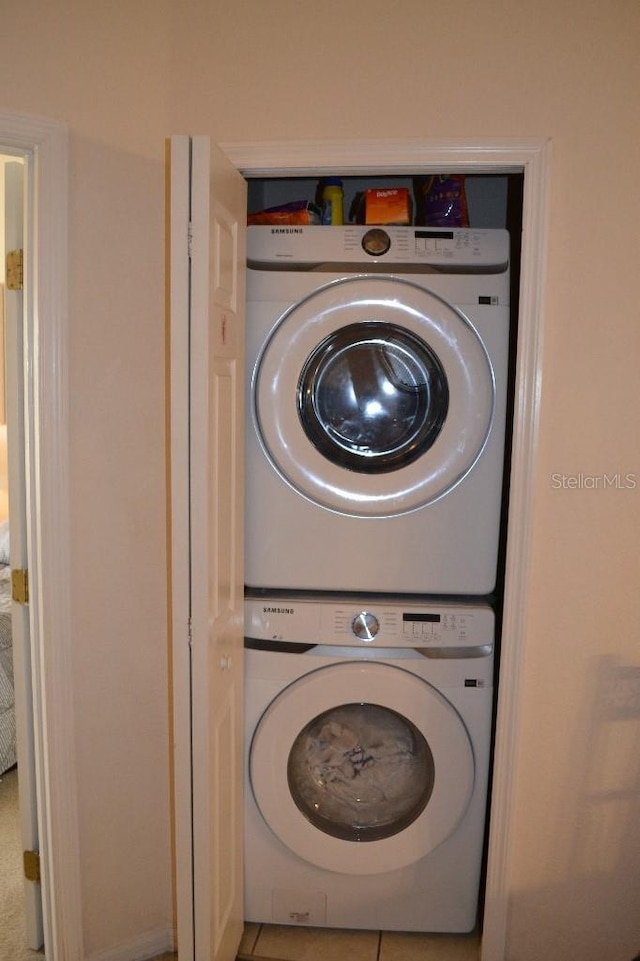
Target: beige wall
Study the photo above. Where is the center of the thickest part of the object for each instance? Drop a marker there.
(123, 76)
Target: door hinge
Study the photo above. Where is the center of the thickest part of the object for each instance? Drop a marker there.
(14, 270)
(31, 862)
(20, 586)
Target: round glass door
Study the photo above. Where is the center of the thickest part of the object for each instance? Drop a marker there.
(360, 772)
(373, 397)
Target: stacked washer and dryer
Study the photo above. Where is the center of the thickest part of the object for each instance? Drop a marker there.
(377, 371)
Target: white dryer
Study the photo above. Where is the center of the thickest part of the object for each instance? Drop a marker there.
(368, 726)
(377, 369)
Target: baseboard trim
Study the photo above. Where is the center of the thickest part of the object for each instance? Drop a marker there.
(147, 945)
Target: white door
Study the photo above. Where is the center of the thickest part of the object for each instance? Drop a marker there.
(208, 211)
(13, 233)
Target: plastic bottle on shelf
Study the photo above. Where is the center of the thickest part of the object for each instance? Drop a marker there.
(332, 202)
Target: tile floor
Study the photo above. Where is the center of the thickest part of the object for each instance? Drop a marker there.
(275, 942)
(322, 944)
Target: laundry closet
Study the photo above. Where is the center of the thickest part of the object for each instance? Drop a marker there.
(492, 199)
(379, 371)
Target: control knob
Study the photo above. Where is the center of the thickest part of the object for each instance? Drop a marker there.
(376, 242)
(365, 626)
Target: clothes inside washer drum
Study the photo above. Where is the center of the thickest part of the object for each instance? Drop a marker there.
(361, 772)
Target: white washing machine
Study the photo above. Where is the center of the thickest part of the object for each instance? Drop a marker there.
(368, 725)
(377, 369)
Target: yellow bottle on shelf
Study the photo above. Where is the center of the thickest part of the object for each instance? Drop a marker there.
(332, 202)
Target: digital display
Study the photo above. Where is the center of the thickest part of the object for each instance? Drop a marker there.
(434, 234)
(429, 618)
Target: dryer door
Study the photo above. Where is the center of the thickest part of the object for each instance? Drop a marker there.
(373, 396)
(361, 768)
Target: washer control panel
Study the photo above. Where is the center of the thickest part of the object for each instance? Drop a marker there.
(371, 622)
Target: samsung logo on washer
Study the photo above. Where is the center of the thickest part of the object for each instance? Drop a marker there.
(278, 610)
(287, 230)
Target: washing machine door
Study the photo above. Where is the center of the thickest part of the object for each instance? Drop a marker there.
(373, 396)
(361, 767)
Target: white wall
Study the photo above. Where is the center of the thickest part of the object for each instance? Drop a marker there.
(123, 76)
(101, 67)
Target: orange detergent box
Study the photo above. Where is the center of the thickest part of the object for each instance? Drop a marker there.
(389, 205)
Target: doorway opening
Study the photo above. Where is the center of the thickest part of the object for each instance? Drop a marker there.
(23, 930)
(494, 200)
(529, 160)
(43, 552)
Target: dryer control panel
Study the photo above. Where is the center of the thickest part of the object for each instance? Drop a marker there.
(371, 622)
(465, 249)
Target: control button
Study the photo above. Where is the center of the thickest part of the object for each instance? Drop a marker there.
(365, 626)
(376, 242)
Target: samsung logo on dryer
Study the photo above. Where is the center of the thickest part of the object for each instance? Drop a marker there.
(278, 610)
(287, 230)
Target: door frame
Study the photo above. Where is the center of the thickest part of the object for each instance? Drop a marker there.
(532, 157)
(44, 145)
